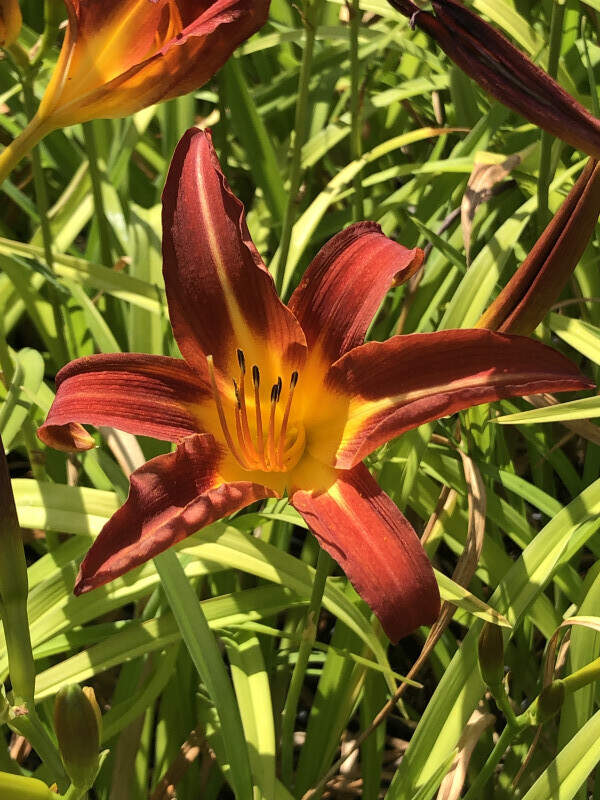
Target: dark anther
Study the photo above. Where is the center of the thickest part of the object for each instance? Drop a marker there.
(256, 376)
(274, 393)
(279, 385)
(241, 360)
(294, 379)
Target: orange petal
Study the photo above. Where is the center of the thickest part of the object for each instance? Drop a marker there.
(171, 497)
(375, 545)
(144, 395)
(391, 387)
(120, 56)
(221, 296)
(344, 285)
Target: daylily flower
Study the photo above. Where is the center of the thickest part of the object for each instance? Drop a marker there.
(119, 56)
(272, 398)
(536, 285)
(505, 72)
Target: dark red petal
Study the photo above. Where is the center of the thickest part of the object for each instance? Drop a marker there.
(170, 497)
(363, 530)
(505, 72)
(344, 285)
(537, 284)
(221, 296)
(400, 384)
(141, 394)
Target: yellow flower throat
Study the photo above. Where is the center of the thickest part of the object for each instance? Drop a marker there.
(261, 443)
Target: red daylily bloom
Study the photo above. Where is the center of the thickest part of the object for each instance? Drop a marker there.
(120, 56)
(272, 398)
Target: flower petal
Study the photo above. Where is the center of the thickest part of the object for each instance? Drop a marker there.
(536, 285)
(141, 394)
(221, 296)
(123, 55)
(505, 72)
(360, 526)
(344, 285)
(391, 387)
(171, 497)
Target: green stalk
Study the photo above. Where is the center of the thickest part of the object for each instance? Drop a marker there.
(582, 677)
(355, 133)
(52, 17)
(306, 644)
(89, 135)
(22, 145)
(546, 139)
(31, 727)
(310, 19)
(41, 196)
(13, 593)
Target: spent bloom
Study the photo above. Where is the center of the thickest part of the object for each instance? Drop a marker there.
(10, 21)
(271, 398)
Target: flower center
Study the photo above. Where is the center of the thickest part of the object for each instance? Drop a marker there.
(264, 439)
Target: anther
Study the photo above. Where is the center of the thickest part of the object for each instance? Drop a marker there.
(241, 361)
(237, 394)
(275, 392)
(255, 376)
(286, 416)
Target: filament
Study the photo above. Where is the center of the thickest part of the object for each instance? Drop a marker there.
(221, 413)
(286, 416)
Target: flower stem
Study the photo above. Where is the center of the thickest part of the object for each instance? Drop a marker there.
(89, 135)
(355, 103)
(22, 145)
(546, 139)
(31, 727)
(304, 651)
(310, 19)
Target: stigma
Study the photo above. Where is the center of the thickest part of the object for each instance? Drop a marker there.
(261, 437)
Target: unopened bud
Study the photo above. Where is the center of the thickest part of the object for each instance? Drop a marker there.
(10, 22)
(550, 701)
(491, 654)
(78, 725)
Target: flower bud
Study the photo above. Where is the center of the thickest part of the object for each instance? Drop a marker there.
(10, 21)
(549, 702)
(491, 654)
(78, 726)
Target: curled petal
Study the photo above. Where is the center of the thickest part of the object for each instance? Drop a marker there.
(170, 497)
(344, 285)
(375, 545)
(536, 285)
(145, 395)
(120, 56)
(505, 72)
(221, 296)
(391, 387)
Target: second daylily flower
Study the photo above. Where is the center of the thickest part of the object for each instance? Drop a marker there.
(119, 56)
(272, 398)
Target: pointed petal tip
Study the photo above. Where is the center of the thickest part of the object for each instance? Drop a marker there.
(69, 438)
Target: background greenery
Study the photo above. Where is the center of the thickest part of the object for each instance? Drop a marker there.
(393, 132)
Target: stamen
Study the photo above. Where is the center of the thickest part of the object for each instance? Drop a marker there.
(275, 392)
(286, 416)
(248, 444)
(221, 413)
(259, 428)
